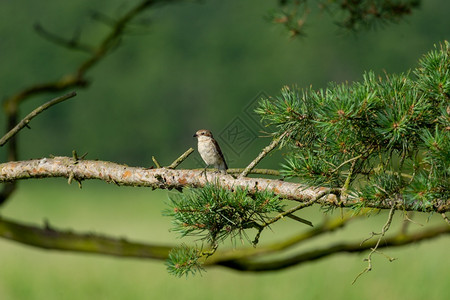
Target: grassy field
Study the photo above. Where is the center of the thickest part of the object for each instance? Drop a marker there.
(422, 271)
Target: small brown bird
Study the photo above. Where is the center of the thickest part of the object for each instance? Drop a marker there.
(210, 151)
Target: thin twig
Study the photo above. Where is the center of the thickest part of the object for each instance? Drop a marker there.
(329, 225)
(445, 218)
(346, 162)
(348, 179)
(253, 171)
(374, 249)
(180, 159)
(372, 234)
(156, 162)
(102, 18)
(291, 211)
(70, 44)
(113, 38)
(300, 206)
(33, 114)
(263, 153)
(77, 78)
(407, 220)
(69, 80)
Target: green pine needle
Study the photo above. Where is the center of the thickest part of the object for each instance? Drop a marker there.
(386, 137)
(184, 260)
(214, 213)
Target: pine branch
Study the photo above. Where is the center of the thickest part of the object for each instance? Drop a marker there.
(289, 212)
(353, 16)
(164, 178)
(381, 138)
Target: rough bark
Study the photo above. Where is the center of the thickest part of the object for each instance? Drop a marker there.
(163, 178)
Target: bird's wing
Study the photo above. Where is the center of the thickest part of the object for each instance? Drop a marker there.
(220, 153)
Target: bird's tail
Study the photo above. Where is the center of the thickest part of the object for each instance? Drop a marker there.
(223, 167)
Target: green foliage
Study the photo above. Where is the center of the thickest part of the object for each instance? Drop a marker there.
(59, 275)
(433, 77)
(215, 213)
(384, 186)
(387, 137)
(351, 15)
(314, 172)
(184, 260)
(242, 49)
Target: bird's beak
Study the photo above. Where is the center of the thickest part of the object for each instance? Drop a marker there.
(195, 135)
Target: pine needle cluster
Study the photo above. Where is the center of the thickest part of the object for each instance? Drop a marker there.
(214, 213)
(184, 260)
(350, 15)
(385, 138)
(382, 141)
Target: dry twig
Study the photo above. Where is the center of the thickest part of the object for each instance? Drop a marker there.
(33, 114)
(445, 218)
(263, 153)
(374, 249)
(180, 159)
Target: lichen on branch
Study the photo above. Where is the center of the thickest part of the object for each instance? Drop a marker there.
(163, 178)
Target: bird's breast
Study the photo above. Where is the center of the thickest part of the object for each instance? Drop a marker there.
(208, 152)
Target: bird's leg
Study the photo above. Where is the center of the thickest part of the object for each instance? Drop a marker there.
(204, 172)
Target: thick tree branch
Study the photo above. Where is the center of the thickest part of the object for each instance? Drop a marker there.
(76, 79)
(164, 178)
(240, 259)
(52, 239)
(72, 79)
(112, 39)
(272, 265)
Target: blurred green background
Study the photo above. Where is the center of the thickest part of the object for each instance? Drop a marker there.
(421, 271)
(184, 67)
